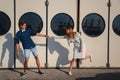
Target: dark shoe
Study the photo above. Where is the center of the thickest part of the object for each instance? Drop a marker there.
(41, 73)
(23, 74)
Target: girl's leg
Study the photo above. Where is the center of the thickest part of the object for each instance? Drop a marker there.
(71, 65)
(87, 57)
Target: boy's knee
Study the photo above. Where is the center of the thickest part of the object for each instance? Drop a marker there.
(26, 60)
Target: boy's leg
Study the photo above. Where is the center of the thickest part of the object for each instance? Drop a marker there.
(27, 56)
(37, 63)
(35, 53)
(26, 65)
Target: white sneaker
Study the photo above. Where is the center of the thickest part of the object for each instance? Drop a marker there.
(70, 73)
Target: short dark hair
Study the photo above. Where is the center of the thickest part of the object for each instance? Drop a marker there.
(21, 23)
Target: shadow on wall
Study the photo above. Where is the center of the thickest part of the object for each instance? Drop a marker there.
(103, 76)
(63, 52)
(8, 45)
(21, 58)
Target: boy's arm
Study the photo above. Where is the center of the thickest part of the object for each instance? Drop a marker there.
(42, 35)
(17, 50)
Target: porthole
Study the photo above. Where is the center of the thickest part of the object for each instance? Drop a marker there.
(93, 25)
(33, 21)
(116, 25)
(60, 22)
(5, 23)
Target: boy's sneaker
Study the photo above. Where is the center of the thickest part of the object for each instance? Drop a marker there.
(41, 73)
(23, 74)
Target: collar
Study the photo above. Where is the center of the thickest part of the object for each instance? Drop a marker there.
(22, 30)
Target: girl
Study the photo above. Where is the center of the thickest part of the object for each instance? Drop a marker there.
(79, 47)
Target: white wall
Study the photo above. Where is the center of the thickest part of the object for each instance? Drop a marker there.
(59, 53)
(96, 46)
(114, 38)
(7, 40)
(38, 7)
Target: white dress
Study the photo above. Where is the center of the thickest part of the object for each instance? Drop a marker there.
(77, 41)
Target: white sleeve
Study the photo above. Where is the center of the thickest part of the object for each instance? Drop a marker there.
(80, 39)
(68, 41)
(60, 37)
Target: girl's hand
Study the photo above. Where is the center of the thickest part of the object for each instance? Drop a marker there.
(80, 49)
(18, 54)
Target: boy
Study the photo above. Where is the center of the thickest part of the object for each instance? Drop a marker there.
(24, 35)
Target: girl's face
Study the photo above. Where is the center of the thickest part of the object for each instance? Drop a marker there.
(71, 30)
(67, 31)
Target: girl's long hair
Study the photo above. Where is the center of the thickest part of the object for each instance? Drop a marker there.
(71, 33)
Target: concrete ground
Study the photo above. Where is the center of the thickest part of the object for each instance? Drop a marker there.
(61, 74)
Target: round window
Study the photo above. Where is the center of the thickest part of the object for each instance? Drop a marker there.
(93, 25)
(33, 21)
(116, 25)
(5, 23)
(60, 22)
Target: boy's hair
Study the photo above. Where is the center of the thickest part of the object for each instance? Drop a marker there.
(21, 23)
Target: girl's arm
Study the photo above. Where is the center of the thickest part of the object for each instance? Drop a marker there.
(80, 48)
(60, 37)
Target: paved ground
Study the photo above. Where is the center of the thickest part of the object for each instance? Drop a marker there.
(60, 74)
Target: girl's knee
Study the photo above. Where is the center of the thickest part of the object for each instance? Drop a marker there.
(73, 59)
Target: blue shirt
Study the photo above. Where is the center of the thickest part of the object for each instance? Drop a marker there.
(25, 38)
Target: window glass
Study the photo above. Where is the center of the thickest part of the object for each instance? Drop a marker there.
(93, 25)
(60, 22)
(33, 21)
(116, 25)
(5, 23)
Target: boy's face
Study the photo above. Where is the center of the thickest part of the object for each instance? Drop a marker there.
(23, 27)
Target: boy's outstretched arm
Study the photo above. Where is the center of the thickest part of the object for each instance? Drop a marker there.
(42, 35)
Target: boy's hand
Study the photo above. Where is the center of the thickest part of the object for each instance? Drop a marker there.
(49, 36)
